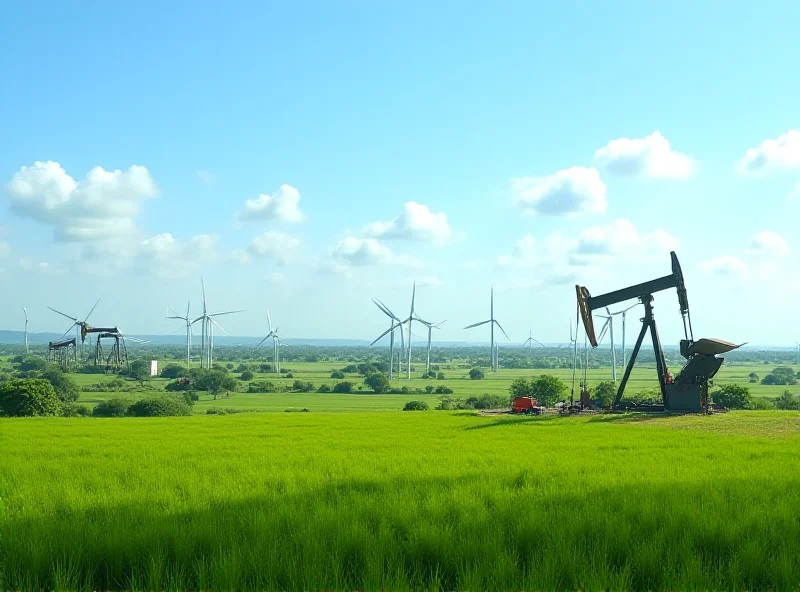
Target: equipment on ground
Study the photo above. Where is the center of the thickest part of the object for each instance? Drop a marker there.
(526, 405)
(689, 392)
(63, 354)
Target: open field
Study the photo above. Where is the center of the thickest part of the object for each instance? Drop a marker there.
(401, 500)
(456, 377)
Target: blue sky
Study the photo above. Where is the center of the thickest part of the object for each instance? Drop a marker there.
(462, 145)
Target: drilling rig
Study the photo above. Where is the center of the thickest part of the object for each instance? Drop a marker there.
(687, 392)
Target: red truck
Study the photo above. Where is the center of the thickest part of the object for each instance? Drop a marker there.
(527, 405)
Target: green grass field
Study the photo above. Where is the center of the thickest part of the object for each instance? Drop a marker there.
(457, 378)
(394, 500)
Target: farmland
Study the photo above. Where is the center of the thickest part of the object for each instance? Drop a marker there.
(401, 500)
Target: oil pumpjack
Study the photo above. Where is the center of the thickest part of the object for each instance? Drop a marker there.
(687, 392)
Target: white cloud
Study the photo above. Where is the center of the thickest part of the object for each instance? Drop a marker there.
(769, 243)
(569, 191)
(780, 153)
(165, 256)
(104, 205)
(283, 206)
(725, 265)
(428, 280)
(794, 194)
(620, 238)
(5, 249)
(473, 264)
(206, 178)
(280, 247)
(41, 267)
(523, 254)
(275, 278)
(369, 251)
(417, 222)
(651, 156)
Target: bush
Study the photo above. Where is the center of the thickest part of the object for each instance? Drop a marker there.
(475, 374)
(164, 406)
(604, 394)
(337, 374)
(486, 401)
(378, 382)
(450, 404)
(288, 374)
(546, 389)
(780, 375)
(732, 396)
(440, 376)
(753, 377)
(429, 389)
(173, 371)
(416, 406)
(261, 386)
(343, 387)
(73, 410)
(246, 375)
(28, 397)
(114, 407)
(33, 364)
(66, 388)
(760, 404)
(443, 390)
(179, 384)
(324, 388)
(787, 401)
(303, 387)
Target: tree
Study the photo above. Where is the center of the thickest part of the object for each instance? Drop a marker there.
(732, 396)
(475, 374)
(246, 375)
(28, 397)
(173, 371)
(337, 374)
(139, 370)
(114, 407)
(33, 364)
(378, 382)
(343, 387)
(787, 401)
(753, 377)
(520, 387)
(66, 388)
(780, 375)
(604, 394)
(416, 406)
(324, 388)
(440, 376)
(443, 390)
(547, 389)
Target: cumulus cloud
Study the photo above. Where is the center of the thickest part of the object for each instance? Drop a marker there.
(769, 243)
(32, 265)
(283, 206)
(621, 237)
(103, 205)
(650, 156)
(523, 254)
(280, 247)
(369, 251)
(163, 255)
(428, 280)
(417, 222)
(569, 191)
(726, 265)
(780, 153)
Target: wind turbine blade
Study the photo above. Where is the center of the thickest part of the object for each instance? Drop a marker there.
(503, 330)
(269, 320)
(386, 309)
(218, 325)
(179, 318)
(439, 324)
(382, 335)
(188, 304)
(197, 319)
(203, 283)
(68, 331)
(62, 314)
(25, 310)
(539, 342)
(217, 314)
(263, 340)
(91, 311)
(604, 329)
(181, 330)
(477, 324)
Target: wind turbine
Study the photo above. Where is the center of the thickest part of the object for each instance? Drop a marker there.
(623, 313)
(80, 326)
(430, 327)
(394, 323)
(530, 340)
(25, 310)
(609, 326)
(492, 322)
(276, 342)
(207, 324)
(188, 322)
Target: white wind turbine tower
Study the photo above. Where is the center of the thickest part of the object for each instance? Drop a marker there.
(530, 340)
(624, 313)
(492, 322)
(276, 345)
(609, 326)
(410, 319)
(25, 310)
(207, 324)
(430, 327)
(188, 322)
(394, 323)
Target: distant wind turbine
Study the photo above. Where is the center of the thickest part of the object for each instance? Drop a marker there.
(394, 323)
(81, 327)
(276, 345)
(25, 310)
(530, 340)
(207, 324)
(492, 322)
(430, 327)
(189, 322)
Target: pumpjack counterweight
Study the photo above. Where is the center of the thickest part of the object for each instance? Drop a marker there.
(689, 391)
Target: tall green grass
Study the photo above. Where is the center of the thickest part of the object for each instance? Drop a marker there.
(400, 500)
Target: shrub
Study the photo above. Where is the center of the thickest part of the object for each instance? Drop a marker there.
(33, 364)
(337, 374)
(475, 374)
(28, 397)
(351, 369)
(164, 406)
(261, 386)
(546, 389)
(753, 377)
(604, 394)
(324, 388)
(173, 371)
(73, 410)
(378, 382)
(343, 387)
(246, 375)
(450, 404)
(760, 404)
(780, 375)
(303, 387)
(114, 407)
(440, 376)
(66, 388)
(486, 401)
(443, 390)
(416, 406)
(732, 396)
(179, 384)
(787, 401)
(288, 374)
(429, 389)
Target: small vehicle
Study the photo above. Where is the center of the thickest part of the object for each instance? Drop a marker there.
(526, 405)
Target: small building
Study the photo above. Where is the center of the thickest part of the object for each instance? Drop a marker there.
(153, 367)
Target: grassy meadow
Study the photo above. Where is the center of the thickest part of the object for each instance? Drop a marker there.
(456, 378)
(397, 500)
